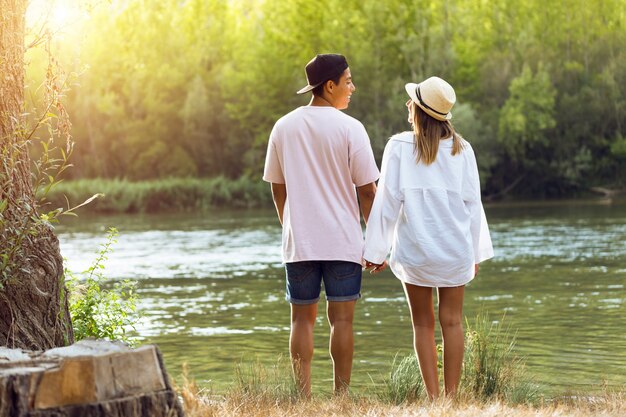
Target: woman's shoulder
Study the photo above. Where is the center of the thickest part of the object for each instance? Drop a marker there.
(466, 147)
(399, 144)
(403, 137)
(464, 142)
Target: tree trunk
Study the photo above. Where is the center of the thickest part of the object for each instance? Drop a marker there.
(33, 305)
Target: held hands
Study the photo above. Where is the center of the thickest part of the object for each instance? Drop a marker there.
(376, 268)
(372, 267)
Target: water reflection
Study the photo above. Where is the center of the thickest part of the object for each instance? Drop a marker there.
(212, 291)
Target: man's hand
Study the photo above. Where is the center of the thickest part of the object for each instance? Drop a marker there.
(374, 268)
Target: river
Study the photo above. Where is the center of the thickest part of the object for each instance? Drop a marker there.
(211, 292)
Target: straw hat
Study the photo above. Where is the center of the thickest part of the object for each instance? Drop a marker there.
(433, 95)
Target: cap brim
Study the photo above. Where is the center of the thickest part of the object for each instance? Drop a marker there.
(305, 89)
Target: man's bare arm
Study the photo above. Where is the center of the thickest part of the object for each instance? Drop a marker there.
(279, 195)
(366, 195)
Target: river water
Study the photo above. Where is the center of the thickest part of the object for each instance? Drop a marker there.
(211, 290)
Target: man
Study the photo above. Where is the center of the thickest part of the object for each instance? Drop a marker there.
(318, 161)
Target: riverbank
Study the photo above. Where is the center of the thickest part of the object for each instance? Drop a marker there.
(610, 405)
(263, 397)
(271, 393)
(494, 383)
(205, 194)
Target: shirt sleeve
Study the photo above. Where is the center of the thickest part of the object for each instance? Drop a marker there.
(483, 248)
(273, 171)
(363, 167)
(385, 212)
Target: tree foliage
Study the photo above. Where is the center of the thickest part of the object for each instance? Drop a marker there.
(192, 88)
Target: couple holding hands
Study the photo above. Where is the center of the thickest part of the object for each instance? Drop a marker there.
(426, 209)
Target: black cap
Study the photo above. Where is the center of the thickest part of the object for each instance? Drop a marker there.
(323, 68)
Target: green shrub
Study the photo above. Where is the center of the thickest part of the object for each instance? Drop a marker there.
(404, 383)
(491, 369)
(100, 312)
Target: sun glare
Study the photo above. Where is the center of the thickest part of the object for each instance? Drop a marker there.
(57, 15)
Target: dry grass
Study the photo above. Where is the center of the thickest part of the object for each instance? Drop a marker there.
(203, 405)
(494, 384)
(274, 403)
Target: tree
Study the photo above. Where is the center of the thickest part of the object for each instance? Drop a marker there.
(193, 88)
(527, 114)
(33, 305)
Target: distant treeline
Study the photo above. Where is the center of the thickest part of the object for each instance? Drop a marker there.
(192, 89)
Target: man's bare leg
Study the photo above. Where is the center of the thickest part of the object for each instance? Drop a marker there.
(341, 347)
(301, 345)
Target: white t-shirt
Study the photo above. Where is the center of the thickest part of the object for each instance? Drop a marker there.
(320, 154)
(430, 215)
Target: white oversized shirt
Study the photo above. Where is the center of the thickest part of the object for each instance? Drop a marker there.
(320, 154)
(430, 215)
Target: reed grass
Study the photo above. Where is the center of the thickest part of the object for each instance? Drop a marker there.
(166, 195)
(265, 384)
(404, 382)
(491, 369)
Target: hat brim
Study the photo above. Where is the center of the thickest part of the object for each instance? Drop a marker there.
(411, 90)
(309, 87)
(305, 89)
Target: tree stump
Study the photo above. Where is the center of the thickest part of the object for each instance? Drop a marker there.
(88, 379)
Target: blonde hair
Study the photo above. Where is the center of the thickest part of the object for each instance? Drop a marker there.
(428, 132)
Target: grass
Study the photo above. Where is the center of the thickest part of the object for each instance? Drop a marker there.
(274, 384)
(166, 195)
(403, 384)
(490, 367)
(494, 384)
(203, 404)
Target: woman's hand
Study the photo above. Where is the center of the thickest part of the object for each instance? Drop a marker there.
(475, 269)
(374, 268)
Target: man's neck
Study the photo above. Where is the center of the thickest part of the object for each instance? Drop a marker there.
(320, 101)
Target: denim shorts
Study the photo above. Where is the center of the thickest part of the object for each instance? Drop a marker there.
(342, 281)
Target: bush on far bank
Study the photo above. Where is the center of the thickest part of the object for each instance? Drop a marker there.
(172, 194)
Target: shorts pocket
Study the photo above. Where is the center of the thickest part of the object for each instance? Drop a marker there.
(299, 271)
(344, 270)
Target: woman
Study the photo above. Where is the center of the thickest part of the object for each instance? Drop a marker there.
(428, 211)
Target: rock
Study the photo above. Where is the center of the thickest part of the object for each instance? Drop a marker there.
(89, 378)
(609, 192)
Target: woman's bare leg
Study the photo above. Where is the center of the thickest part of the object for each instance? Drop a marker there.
(451, 319)
(423, 317)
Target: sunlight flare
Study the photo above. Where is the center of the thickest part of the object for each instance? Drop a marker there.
(57, 15)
